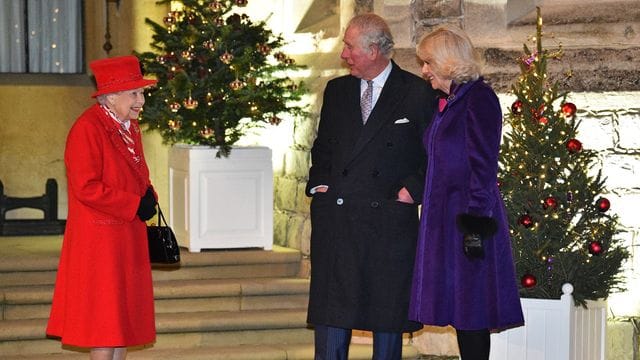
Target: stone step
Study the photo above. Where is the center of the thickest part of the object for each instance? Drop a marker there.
(188, 259)
(233, 304)
(244, 352)
(32, 302)
(221, 264)
(180, 330)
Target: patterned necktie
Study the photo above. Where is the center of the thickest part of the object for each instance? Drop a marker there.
(366, 102)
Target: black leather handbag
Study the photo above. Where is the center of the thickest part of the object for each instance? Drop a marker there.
(163, 246)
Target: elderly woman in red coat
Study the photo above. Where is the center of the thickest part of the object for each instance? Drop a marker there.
(464, 274)
(103, 298)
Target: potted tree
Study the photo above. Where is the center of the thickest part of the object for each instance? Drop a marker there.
(219, 74)
(568, 258)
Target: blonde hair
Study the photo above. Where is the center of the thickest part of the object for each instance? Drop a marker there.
(450, 54)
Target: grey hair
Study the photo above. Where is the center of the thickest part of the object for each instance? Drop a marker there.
(102, 99)
(374, 30)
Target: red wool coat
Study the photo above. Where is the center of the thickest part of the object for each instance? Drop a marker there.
(103, 294)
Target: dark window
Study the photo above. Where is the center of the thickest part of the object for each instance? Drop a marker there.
(41, 36)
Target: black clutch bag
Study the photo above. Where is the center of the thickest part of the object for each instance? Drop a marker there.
(163, 246)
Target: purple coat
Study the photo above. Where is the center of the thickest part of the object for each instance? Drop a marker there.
(448, 288)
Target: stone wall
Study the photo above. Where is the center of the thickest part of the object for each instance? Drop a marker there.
(610, 125)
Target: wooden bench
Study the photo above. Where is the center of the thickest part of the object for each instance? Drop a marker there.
(48, 203)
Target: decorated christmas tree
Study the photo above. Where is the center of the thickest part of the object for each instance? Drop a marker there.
(218, 74)
(561, 226)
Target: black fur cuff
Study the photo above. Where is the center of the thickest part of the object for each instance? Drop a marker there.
(481, 225)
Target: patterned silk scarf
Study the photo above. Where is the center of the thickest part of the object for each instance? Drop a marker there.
(124, 134)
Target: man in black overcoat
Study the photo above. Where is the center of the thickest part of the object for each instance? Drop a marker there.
(366, 180)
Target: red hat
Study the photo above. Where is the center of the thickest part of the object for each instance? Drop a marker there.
(118, 74)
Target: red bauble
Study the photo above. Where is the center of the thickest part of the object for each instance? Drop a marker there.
(516, 107)
(603, 204)
(595, 248)
(543, 120)
(528, 281)
(550, 202)
(526, 221)
(568, 110)
(574, 145)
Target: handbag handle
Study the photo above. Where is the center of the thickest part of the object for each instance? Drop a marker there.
(161, 218)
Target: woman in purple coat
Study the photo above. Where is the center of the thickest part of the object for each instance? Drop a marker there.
(464, 273)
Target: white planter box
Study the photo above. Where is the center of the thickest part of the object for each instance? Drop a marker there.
(220, 203)
(555, 329)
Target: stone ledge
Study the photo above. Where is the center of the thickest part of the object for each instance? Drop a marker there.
(580, 11)
(593, 69)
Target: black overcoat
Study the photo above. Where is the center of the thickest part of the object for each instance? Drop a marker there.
(363, 240)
